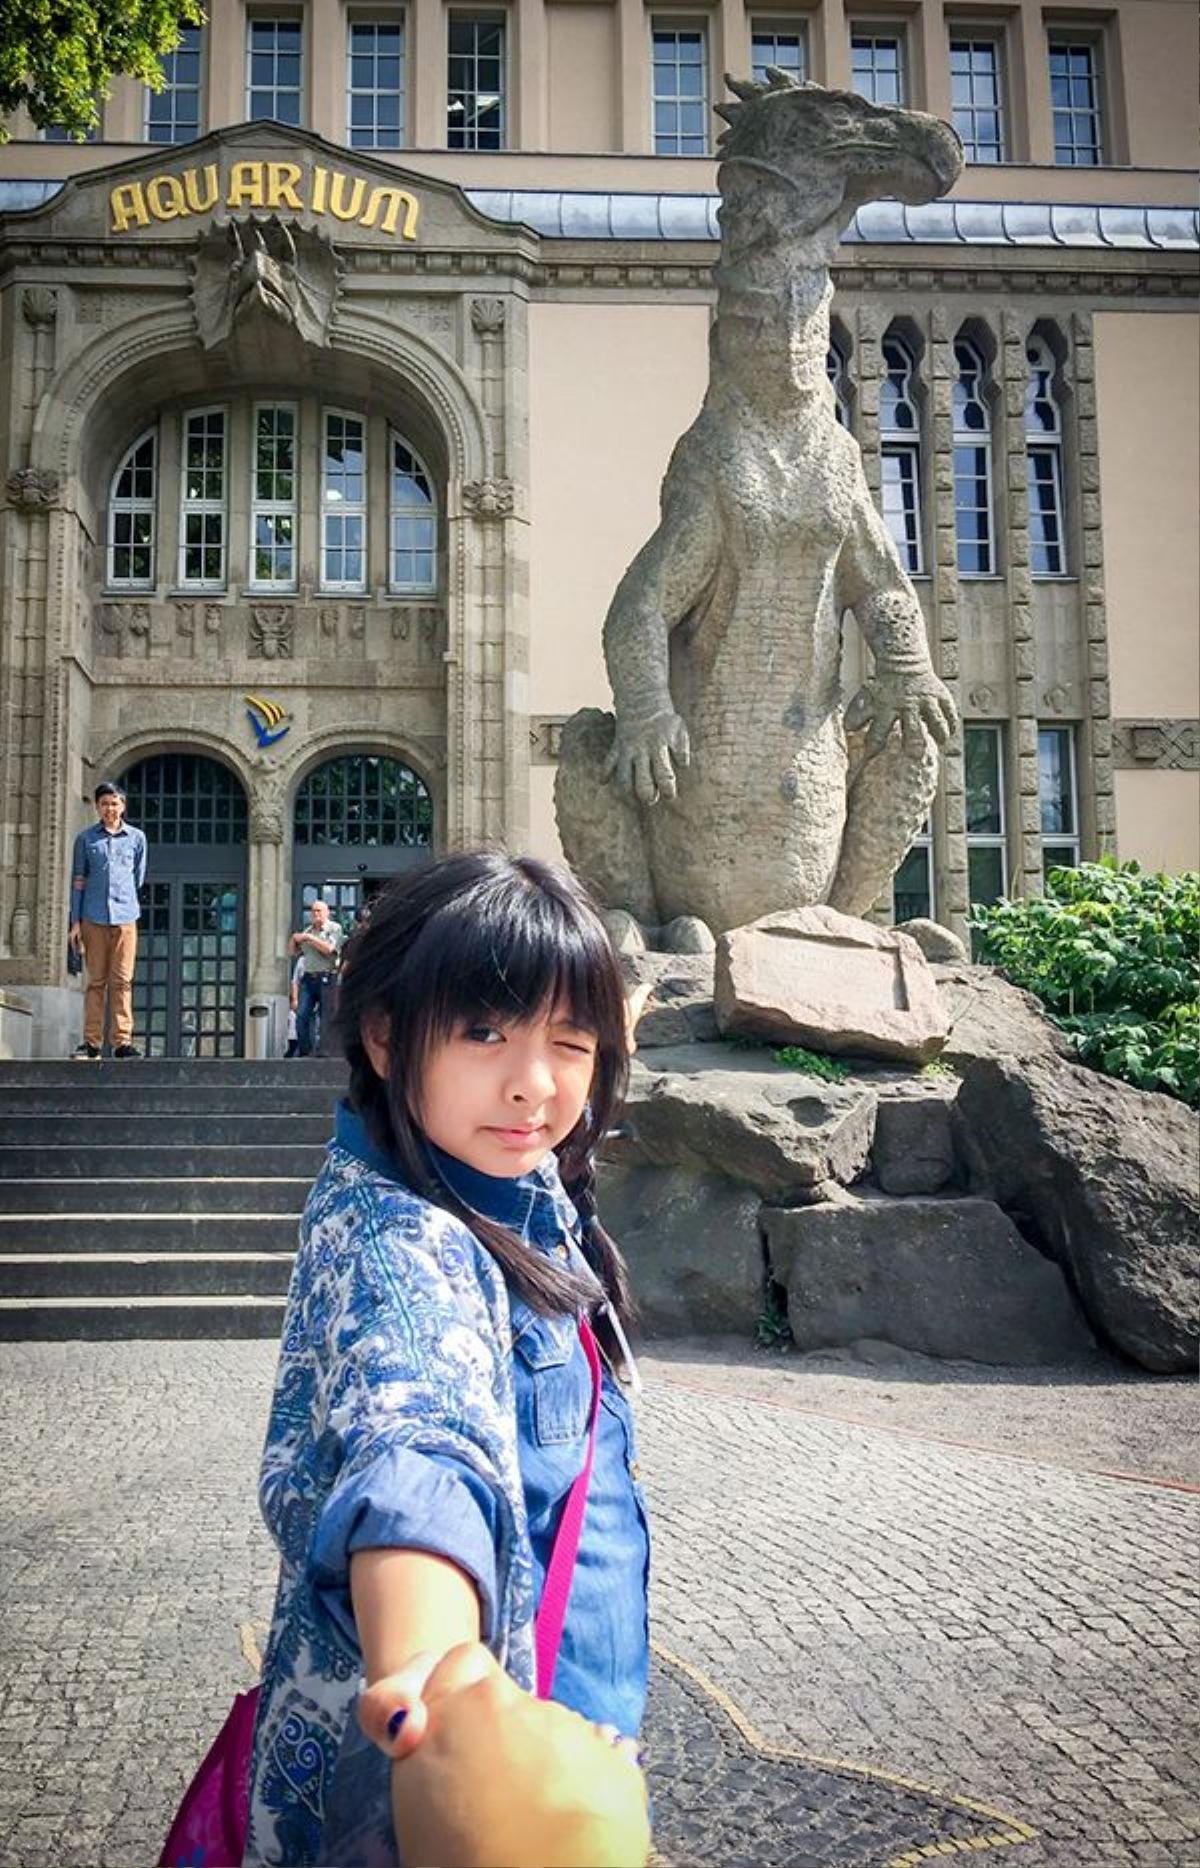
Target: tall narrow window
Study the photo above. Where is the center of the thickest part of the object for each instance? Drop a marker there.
(413, 522)
(202, 501)
(839, 376)
(54, 133)
(972, 464)
(174, 114)
(680, 90)
(275, 69)
(475, 105)
(344, 503)
(877, 66)
(1075, 101)
(375, 84)
(780, 43)
(983, 768)
(912, 888)
(1043, 454)
(273, 499)
(900, 451)
(131, 508)
(1059, 796)
(978, 100)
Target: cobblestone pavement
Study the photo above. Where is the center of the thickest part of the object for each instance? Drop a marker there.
(846, 1614)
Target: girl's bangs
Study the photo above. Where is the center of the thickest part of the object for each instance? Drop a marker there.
(519, 955)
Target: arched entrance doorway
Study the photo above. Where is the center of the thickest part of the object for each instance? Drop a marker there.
(190, 980)
(358, 820)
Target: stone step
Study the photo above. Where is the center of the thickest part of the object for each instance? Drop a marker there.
(172, 1161)
(81, 1234)
(95, 1319)
(144, 1131)
(157, 1195)
(87, 1099)
(61, 1073)
(144, 1274)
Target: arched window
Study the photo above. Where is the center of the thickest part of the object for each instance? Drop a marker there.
(973, 523)
(1043, 454)
(131, 510)
(364, 802)
(412, 522)
(900, 451)
(838, 371)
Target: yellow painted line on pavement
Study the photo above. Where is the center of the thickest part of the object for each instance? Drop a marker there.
(1008, 1833)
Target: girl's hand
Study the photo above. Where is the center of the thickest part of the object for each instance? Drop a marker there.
(491, 1777)
(393, 1713)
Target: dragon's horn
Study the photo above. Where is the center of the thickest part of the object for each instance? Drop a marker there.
(780, 80)
(288, 241)
(728, 111)
(235, 234)
(745, 88)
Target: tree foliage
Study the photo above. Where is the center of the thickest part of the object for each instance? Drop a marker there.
(1114, 956)
(58, 57)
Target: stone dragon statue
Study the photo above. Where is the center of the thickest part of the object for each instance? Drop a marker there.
(726, 787)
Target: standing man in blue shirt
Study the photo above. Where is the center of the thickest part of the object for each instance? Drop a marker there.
(108, 868)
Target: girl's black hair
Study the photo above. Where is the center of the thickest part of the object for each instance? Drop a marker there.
(486, 935)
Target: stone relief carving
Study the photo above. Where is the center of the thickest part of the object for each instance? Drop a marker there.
(723, 789)
(34, 488)
(982, 697)
(489, 499)
(125, 628)
(1057, 697)
(266, 819)
(420, 626)
(1165, 745)
(271, 631)
(261, 267)
(487, 316)
(342, 622)
(39, 305)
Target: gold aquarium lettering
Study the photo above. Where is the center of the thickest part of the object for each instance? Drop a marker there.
(270, 185)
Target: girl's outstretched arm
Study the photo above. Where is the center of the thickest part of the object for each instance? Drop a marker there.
(410, 1608)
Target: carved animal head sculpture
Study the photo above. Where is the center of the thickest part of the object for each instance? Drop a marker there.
(797, 160)
(264, 268)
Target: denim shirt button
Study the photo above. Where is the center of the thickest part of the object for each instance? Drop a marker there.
(635, 1469)
(562, 1251)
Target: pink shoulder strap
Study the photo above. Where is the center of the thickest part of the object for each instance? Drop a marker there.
(552, 1609)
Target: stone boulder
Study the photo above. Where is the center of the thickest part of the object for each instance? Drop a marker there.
(711, 1108)
(935, 941)
(990, 1017)
(680, 1007)
(1108, 1179)
(949, 1278)
(812, 976)
(913, 1150)
(691, 1242)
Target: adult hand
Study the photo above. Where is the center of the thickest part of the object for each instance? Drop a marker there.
(490, 1777)
(75, 937)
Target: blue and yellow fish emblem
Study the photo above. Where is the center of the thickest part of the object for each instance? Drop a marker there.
(268, 718)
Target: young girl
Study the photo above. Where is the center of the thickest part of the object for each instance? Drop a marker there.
(433, 1397)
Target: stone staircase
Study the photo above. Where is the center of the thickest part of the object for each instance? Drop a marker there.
(156, 1198)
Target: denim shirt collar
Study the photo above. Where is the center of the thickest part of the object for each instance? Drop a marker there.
(530, 1204)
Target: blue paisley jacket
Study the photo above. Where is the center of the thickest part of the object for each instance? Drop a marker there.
(395, 1364)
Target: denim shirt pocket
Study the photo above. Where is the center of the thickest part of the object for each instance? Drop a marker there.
(556, 1372)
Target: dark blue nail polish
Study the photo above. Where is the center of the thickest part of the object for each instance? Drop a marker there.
(396, 1721)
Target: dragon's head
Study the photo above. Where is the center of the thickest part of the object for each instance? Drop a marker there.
(797, 160)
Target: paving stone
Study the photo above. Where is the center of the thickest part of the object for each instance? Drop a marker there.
(1011, 1631)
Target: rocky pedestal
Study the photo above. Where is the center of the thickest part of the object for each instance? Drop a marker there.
(1011, 1213)
(1108, 1177)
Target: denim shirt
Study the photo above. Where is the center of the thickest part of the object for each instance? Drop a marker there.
(419, 1405)
(106, 873)
(604, 1656)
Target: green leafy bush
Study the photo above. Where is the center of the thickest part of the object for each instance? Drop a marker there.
(1114, 956)
(815, 1063)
